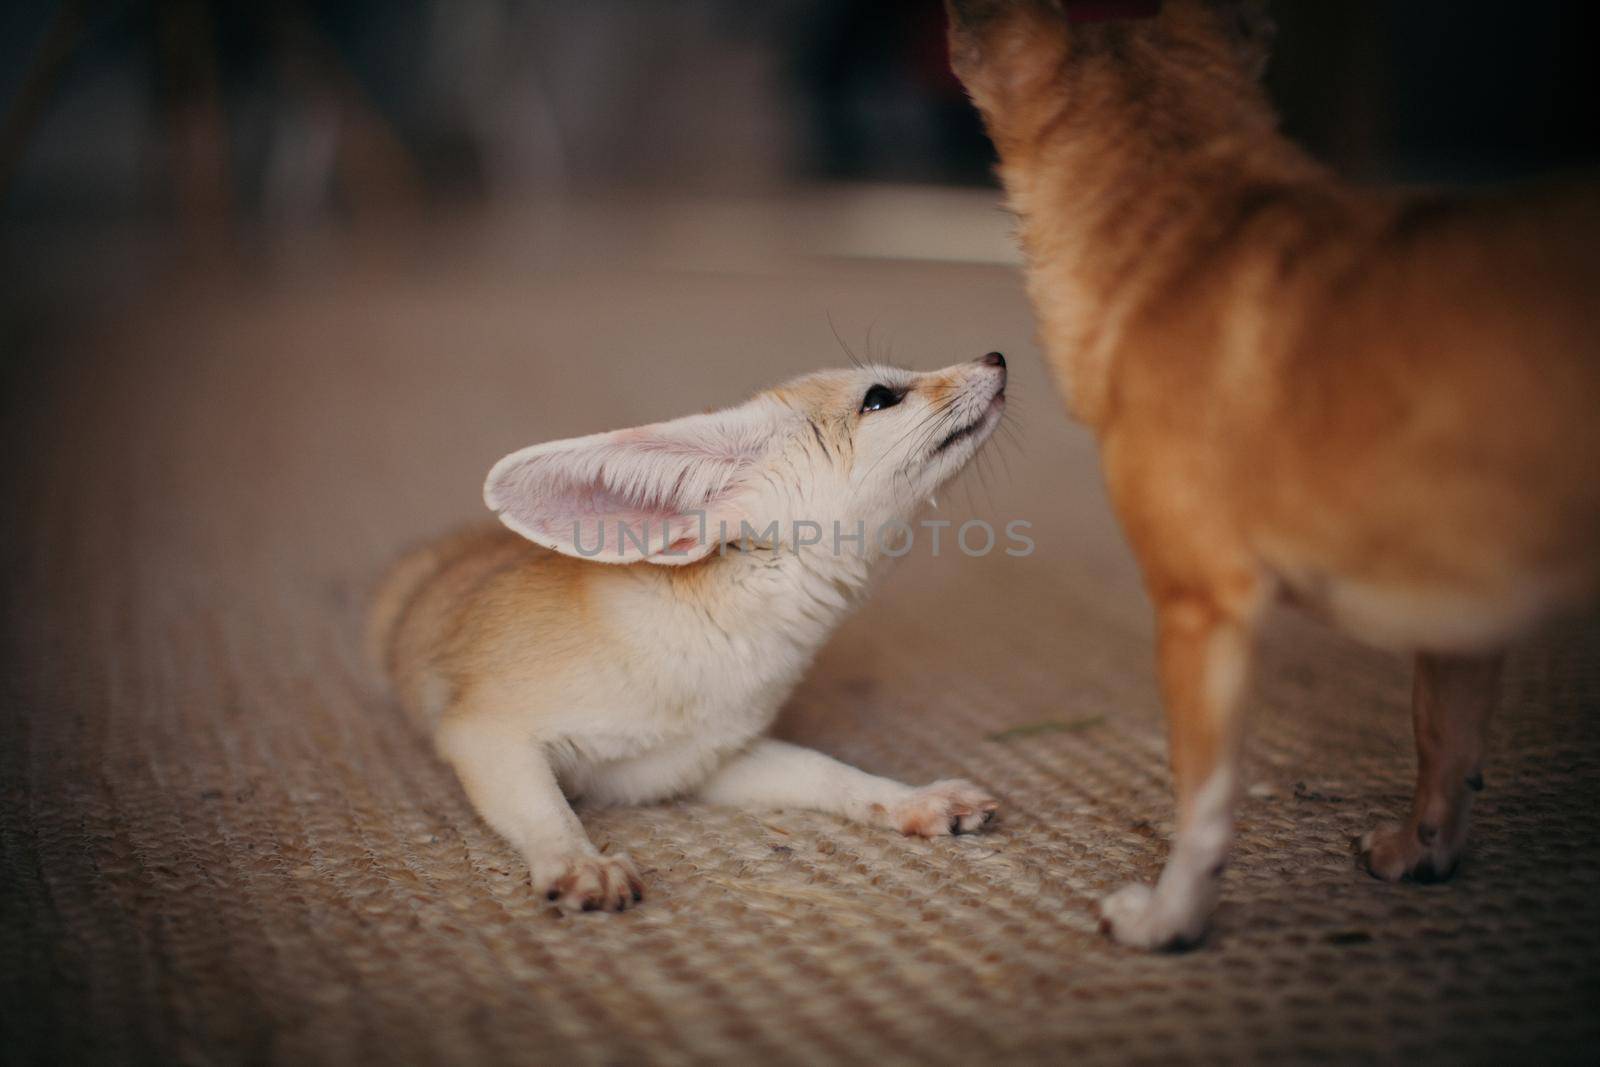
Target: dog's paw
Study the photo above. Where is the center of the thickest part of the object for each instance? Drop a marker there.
(1135, 915)
(1393, 852)
(585, 882)
(952, 806)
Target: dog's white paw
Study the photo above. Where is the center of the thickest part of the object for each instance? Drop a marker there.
(952, 806)
(1136, 915)
(585, 882)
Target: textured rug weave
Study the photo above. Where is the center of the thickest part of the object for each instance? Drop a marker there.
(220, 843)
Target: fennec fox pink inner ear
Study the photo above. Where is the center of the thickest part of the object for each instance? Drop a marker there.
(659, 493)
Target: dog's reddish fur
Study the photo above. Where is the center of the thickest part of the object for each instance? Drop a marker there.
(1379, 403)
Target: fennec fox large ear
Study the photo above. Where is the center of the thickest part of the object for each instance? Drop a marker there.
(660, 493)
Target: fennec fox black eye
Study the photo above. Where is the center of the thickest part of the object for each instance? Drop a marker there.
(880, 397)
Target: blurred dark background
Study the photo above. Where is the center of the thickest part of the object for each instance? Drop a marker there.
(294, 113)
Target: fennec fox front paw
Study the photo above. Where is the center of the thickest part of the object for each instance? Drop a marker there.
(952, 806)
(588, 882)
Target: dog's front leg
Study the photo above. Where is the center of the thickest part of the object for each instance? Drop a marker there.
(1451, 699)
(1204, 655)
(775, 774)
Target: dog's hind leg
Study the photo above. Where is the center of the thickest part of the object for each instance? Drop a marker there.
(1451, 699)
(1205, 656)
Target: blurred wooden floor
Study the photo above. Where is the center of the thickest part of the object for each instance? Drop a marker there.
(220, 843)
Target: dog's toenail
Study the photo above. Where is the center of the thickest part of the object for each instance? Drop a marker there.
(589, 905)
(955, 825)
(1426, 833)
(637, 896)
(554, 894)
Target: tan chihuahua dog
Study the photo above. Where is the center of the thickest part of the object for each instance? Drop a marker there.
(1380, 404)
(736, 542)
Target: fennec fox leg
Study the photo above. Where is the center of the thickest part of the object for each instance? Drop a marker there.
(775, 774)
(508, 777)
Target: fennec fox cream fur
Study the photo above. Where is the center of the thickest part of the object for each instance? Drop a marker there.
(1378, 403)
(655, 599)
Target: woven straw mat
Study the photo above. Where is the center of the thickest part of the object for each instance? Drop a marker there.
(221, 843)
